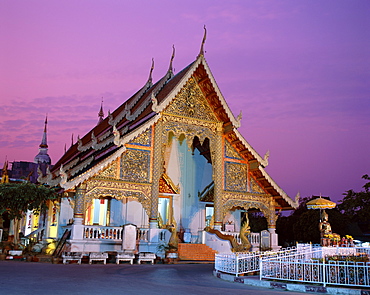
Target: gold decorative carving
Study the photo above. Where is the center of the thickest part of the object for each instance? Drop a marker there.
(117, 189)
(190, 102)
(255, 187)
(218, 174)
(235, 203)
(264, 202)
(189, 128)
(110, 171)
(230, 152)
(135, 165)
(79, 201)
(143, 139)
(157, 170)
(236, 177)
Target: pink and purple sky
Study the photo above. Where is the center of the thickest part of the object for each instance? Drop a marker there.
(299, 71)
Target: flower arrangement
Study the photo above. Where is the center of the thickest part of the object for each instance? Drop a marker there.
(336, 238)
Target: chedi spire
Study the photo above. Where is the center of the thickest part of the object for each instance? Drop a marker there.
(101, 113)
(42, 157)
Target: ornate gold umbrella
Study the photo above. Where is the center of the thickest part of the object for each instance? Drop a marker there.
(320, 203)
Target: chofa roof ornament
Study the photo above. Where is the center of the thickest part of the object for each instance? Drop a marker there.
(201, 52)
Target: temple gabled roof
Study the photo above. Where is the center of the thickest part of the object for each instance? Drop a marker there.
(105, 142)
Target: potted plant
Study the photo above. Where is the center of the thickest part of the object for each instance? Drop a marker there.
(29, 253)
(5, 247)
(170, 252)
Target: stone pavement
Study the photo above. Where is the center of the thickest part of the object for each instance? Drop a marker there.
(18, 277)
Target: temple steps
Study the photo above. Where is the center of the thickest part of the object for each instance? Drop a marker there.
(196, 252)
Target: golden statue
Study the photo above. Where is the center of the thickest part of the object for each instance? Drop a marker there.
(324, 225)
(327, 236)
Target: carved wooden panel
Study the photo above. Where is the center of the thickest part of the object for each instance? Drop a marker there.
(236, 177)
(135, 165)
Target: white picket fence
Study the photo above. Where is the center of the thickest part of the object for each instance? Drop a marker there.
(304, 263)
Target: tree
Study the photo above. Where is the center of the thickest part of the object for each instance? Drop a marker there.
(356, 205)
(302, 225)
(17, 198)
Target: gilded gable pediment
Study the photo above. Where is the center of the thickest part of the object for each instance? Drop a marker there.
(190, 102)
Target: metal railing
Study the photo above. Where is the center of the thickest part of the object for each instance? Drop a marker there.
(245, 262)
(304, 263)
(320, 265)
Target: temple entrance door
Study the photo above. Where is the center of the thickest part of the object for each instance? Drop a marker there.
(99, 212)
(190, 166)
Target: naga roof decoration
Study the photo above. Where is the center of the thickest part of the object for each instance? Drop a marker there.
(106, 141)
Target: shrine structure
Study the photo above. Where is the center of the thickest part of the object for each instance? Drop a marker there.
(170, 157)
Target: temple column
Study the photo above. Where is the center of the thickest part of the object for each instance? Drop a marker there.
(218, 177)
(271, 224)
(156, 175)
(78, 213)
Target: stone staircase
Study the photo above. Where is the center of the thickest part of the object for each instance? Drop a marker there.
(196, 252)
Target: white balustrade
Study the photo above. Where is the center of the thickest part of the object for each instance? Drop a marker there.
(143, 234)
(102, 232)
(255, 239)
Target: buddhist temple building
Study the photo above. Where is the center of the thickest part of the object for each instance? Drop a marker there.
(169, 159)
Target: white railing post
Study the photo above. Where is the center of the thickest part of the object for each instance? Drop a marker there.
(260, 266)
(323, 272)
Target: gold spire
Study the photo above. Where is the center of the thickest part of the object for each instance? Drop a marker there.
(201, 52)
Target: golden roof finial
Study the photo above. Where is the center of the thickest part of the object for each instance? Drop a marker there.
(201, 52)
(172, 58)
(150, 79)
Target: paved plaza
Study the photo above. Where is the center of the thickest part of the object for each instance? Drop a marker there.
(44, 278)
